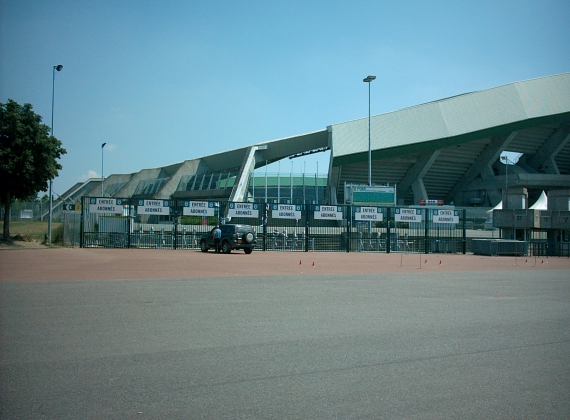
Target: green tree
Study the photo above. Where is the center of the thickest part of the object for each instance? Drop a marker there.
(28, 156)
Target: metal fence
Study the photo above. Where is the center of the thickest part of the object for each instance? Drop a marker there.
(71, 229)
(179, 224)
(27, 210)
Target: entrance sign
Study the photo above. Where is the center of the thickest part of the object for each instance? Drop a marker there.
(199, 208)
(446, 216)
(243, 210)
(286, 211)
(106, 205)
(368, 214)
(408, 215)
(328, 213)
(156, 207)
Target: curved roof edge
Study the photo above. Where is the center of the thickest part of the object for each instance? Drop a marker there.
(457, 116)
(273, 150)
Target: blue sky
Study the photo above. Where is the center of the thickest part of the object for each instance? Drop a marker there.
(165, 81)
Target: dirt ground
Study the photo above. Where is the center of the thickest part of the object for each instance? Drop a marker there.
(45, 263)
(31, 244)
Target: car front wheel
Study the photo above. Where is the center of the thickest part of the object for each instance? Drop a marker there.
(203, 246)
(226, 248)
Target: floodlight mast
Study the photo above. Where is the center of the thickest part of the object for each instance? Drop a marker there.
(102, 173)
(506, 159)
(368, 80)
(58, 68)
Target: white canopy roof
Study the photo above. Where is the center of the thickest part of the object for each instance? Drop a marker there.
(497, 207)
(541, 203)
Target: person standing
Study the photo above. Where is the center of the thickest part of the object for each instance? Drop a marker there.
(217, 237)
(276, 237)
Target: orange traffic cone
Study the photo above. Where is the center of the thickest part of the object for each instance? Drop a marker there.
(300, 262)
(439, 262)
(313, 263)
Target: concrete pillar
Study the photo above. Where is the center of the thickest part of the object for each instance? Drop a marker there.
(515, 198)
(558, 200)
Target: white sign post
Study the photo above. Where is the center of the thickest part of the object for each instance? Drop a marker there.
(199, 208)
(328, 213)
(155, 207)
(446, 216)
(408, 215)
(369, 214)
(105, 205)
(243, 210)
(286, 211)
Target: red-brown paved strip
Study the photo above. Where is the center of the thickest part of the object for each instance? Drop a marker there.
(107, 264)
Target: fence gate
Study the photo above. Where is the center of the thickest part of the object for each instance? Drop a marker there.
(445, 231)
(367, 229)
(406, 230)
(327, 228)
(191, 219)
(426, 230)
(106, 222)
(284, 228)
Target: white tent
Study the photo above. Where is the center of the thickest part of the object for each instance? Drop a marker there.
(541, 203)
(497, 207)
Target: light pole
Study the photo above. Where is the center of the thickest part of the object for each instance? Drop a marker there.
(58, 68)
(102, 173)
(506, 160)
(368, 80)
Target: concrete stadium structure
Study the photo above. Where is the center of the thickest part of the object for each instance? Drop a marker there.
(445, 150)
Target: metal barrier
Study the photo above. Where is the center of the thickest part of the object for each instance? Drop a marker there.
(499, 247)
(163, 224)
(544, 248)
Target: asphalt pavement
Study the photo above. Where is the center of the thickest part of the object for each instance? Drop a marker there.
(452, 345)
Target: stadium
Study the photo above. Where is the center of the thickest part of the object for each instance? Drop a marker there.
(475, 151)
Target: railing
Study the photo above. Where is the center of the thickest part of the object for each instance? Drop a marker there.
(292, 228)
(549, 249)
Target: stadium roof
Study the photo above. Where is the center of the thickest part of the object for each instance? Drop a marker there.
(456, 120)
(450, 149)
(447, 149)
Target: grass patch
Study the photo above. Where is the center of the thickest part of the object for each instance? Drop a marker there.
(34, 229)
